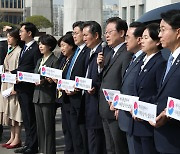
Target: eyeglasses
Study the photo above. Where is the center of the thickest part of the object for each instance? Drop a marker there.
(109, 32)
(75, 33)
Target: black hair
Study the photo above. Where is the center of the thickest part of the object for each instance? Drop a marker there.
(172, 17)
(120, 24)
(94, 27)
(139, 28)
(153, 30)
(48, 40)
(67, 38)
(30, 27)
(78, 24)
(14, 32)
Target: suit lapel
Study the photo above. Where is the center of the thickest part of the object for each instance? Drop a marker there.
(130, 68)
(48, 62)
(175, 65)
(26, 53)
(148, 67)
(78, 58)
(118, 53)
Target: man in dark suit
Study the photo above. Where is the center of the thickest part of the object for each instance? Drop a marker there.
(96, 140)
(113, 67)
(27, 62)
(77, 68)
(133, 44)
(3, 51)
(166, 133)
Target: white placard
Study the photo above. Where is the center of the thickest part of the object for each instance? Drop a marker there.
(109, 94)
(173, 108)
(144, 111)
(51, 72)
(66, 84)
(28, 77)
(7, 92)
(8, 77)
(83, 83)
(124, 102)
(1, 69)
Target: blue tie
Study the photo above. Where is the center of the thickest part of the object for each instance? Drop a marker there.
(169, 64)
(24, 50)
(72, 63)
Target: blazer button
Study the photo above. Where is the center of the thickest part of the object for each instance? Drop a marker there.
(141, 87)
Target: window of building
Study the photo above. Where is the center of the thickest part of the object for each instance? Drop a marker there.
(19, 3)
(11, 3)
(2, 4)
(15, 3)
(124, 13)
(132, 13)
(7, 2)
(141, 10)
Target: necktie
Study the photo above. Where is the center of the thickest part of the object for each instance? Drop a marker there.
(132, 60)
(24, 50)
(112, 53)
(72, 63)
(169, 64)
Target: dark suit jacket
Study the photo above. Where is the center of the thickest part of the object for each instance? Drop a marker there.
(45, 92)
(112, 77)
(3, 51)
(27, 63)
(147, 85)
(93, 119)
(79, 69)
(128, 88)
(167, 136)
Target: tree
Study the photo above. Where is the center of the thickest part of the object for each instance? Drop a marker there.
(2, 24)
(39, 21)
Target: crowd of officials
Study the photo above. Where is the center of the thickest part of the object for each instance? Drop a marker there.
(131, 61)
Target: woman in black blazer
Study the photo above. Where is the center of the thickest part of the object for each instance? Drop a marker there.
(44, 97)
(67, 47)
(147, 83)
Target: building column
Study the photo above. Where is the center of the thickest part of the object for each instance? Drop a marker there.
(75, 10)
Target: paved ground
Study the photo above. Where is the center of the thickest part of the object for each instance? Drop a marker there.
(59, 137)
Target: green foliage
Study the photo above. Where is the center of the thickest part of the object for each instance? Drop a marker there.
(2, 24)
(39, 21)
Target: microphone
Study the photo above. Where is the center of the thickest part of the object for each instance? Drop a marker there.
(103, 45)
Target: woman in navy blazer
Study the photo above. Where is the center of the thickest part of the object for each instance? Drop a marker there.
(147, 83)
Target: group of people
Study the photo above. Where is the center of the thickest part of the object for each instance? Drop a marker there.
(131, 62)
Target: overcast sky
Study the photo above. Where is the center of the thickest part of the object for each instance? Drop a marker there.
(106, 1)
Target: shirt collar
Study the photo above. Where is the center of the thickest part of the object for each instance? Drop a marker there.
(137, 54)
(117, 47)
(82, 46)
(29, 44)
(176, 54)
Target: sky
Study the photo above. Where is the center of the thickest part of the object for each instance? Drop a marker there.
(105, 1)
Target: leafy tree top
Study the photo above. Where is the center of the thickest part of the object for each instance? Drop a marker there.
(39, 21)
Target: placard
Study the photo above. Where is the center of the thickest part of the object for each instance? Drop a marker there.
(6, 93)
(173, 108)
(66, 84)
(109, 94)
(83, 83)
(28, 77)
(145, 111)
(51, 72)
(8, 77)
(124, 102)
